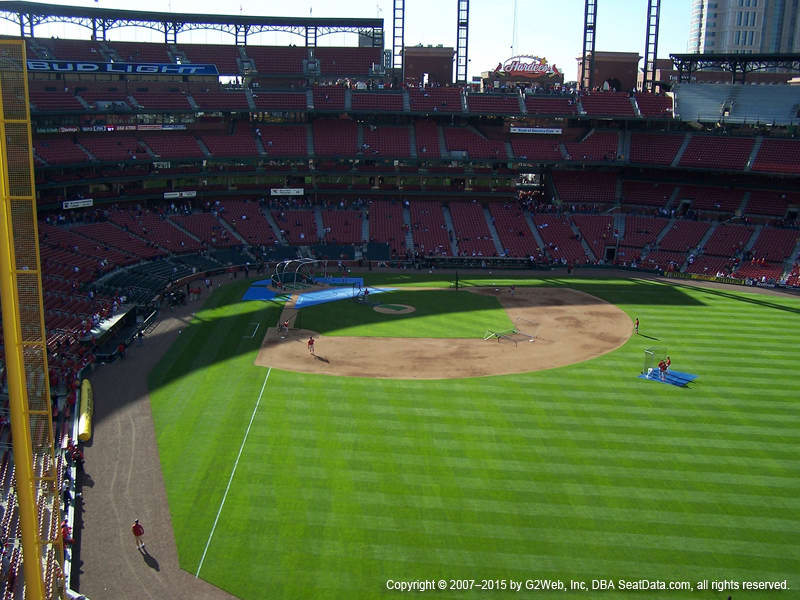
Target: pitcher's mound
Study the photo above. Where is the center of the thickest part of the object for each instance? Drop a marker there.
(394, 309)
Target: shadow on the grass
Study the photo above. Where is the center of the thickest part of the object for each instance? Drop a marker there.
(150, 560)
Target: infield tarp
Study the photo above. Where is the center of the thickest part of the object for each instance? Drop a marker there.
(259, 293)
(671, 378)
(332, 295)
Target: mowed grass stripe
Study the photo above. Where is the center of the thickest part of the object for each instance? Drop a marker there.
(351, 480)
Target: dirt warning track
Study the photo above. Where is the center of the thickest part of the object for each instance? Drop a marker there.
(568, 327)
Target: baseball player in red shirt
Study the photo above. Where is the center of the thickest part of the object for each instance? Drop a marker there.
(311, 345)
(138, 532)
(662, 366)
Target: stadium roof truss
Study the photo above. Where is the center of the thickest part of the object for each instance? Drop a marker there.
(28, 15)
(739, 65)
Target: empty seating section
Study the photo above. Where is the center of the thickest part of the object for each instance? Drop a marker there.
(386, 225)
(59, 150)
(778, 156)
(493, 104)
(246, 218)
(283, 140)
(446, 100)
(773, 104)
(102, 92)
(384, 101)
(600, 145)
(155, 228)
(711, 265)
(59, 49)
(428, 228)
(206, 227)
(141, 52)
(53, 96)
(75, 244)
(771, 203)
(579, 187)
(299, 227)
(241, 142)
(683, 236)
(664, 260)
(111, 146)
(727, 240)
(775, 245)
(654, 107)
(712, 198)
(328, 97)
(513, 230)
(550, 106)
(717, 152)
(646, 193)
(466, 140)
(333, 137)
(607, 104)
(172, 145)
(208, 98)
(641, 231)
(294, 101)
(536, 147)
(598, 231)
(222, 55)
(347, 60)
(559, 239)
(111, 235)
(160, 96)
(387, 140)
(700, 101)
(655, 148)
(427, 134)
(277, 59)
(342, 226)
(471, 230)
(757, 270)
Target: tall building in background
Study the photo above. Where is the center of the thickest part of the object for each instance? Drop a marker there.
(744, 26)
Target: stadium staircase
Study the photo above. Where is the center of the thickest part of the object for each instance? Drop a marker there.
(523, 109)
(621, 151)
(89, 154)
(625, 141)
(493, 230)
(365, 229)
(203, 147)
(618, 192)
(584, 244)
(185, 231)
(251, 103)
(681, 150)
(442, 143)
(348, 100)
(451, 230)
(310, 99)
(701, 244)
(619, 225)
(754, 152)
(233, 232)
(406, 102)
(563, 149)
(664, 232)
(260, 146)
(535, 231)
(319, 222)
(673, 198)
(359, 140)
(743, 206)
(309, 139)
(192, 102)
(464, 105)
(412, 140)
(636, 110)
(275, 229)
(407, 223)
(752, 241)
(509, 151)
(788, 264)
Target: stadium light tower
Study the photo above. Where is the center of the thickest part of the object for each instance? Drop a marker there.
(399, 38)
(589, 22)
(651, 45)
(462, 41)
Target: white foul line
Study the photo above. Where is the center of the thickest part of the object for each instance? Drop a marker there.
(233, 471)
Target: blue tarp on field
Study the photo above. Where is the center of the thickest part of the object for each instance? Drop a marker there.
(322, 296)
(671, 377)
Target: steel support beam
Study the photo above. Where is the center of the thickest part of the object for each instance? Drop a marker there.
(651, 45)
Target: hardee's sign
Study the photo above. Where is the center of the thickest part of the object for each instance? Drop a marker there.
(527, 66)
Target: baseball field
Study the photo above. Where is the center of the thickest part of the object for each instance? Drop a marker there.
(288, 478)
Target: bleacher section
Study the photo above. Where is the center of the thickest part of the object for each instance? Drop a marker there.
(471, 230)
(335, 137)
(429, 229)
(560, 241)
(513, 231)
(444, 100)
(607, 104)
(597, 146)
(386, 225)
(717, 152)
(578, 188)
(778, 156)
(655, 148)
(386, 141)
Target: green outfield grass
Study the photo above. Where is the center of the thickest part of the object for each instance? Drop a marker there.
(582, 472)
(438, 314)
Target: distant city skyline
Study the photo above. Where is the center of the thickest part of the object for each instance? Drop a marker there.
(550, 30)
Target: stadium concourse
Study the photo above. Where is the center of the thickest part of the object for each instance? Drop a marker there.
(151, 187)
